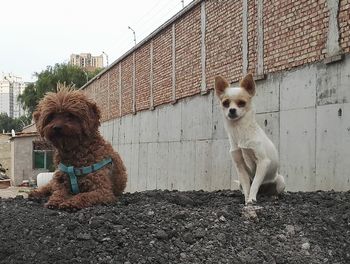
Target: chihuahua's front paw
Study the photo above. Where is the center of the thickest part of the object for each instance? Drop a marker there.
(251, 202)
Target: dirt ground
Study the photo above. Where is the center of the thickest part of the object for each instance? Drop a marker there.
(180, 227)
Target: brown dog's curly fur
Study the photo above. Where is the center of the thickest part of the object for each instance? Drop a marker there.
(70, 121)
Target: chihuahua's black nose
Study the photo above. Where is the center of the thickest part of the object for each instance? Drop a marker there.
(232, 111)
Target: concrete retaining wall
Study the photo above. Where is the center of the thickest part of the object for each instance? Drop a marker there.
(306, 113)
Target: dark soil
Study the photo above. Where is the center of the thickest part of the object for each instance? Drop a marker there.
(180, 227)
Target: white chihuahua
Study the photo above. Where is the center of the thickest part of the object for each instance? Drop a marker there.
(253, 153)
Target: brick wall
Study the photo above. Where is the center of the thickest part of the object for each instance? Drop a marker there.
(252, 36)
(102, 95)
(223, 40)
(126, 89)
(114, 91)
(188, 54)
(294, 33)
(162, 67)
(143, 81)
(344, 25)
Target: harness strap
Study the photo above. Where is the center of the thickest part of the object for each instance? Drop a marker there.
(74, 172)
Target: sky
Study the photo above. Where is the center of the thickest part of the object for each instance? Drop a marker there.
(37, 33)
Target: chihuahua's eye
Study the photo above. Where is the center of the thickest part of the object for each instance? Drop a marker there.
(241, 103)
(226, 103)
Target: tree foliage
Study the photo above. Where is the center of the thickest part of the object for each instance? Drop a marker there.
(47, 81)
(7, 123)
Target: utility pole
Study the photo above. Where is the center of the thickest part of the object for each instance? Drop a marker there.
(106, 57)
(133, 31)
(183, 3)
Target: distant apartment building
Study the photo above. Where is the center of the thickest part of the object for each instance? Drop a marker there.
(87, 61)
(10, 88)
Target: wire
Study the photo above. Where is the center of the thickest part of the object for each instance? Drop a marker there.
(148, 25)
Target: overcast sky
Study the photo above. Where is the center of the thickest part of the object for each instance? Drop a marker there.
(38, 33)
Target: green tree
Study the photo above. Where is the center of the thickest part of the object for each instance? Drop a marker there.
(47, 82)
(7, 123)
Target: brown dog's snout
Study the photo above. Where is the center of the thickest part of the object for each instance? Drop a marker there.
(57, 128)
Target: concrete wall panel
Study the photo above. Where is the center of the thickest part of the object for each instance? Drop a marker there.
(125, 152)
(333, 83)
(333, 152)
(174, 165)
(267, 94)
(221, 164)
(115, 132)
(218, 127)
(297, 88)
(196, 118)
(297, 148)
(128, 129)
(135, 132)
(187, 166)
(203, 166)
(169, 123)
(148, 126)
(152, 161)
(161, 163)
(270, 123)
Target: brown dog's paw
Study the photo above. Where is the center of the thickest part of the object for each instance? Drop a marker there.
(51, 205)
(35, 195)
(69, 206)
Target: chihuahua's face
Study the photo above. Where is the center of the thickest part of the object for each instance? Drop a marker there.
(235, 101)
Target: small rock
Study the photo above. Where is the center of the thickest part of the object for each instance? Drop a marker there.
(290, 230)
(83, 236)
(305, 246)
(150, 213)
(188, 238)
(183, 255)
(221, 237)
(281, 237)
(222, 218)
(199, 233)
(81, 218)
(161, 234)
(181, 215)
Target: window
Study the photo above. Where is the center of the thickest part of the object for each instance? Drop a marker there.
(42, 156)
(43, 159)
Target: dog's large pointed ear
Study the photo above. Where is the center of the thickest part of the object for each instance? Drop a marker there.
(248, 84)
(220, 85)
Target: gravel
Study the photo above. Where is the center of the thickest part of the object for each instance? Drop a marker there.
(180, 227)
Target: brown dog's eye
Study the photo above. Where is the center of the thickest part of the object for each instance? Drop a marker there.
(49, 118)
(71, 116)
(226, 103)
(241, 103)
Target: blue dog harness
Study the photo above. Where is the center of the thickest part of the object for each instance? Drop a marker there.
(74, 172)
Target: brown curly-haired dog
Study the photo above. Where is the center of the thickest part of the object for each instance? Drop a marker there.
(70, 121)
